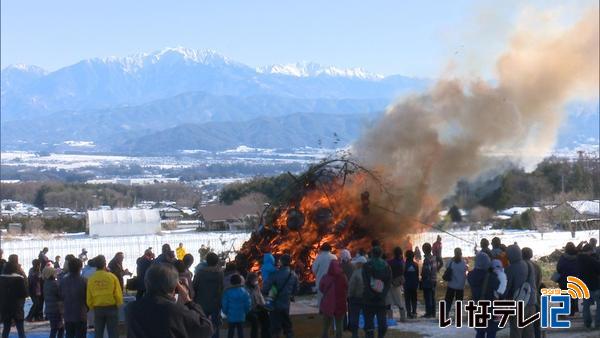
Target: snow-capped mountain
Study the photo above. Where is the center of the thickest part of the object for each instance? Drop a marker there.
(19, 75)
(166, 56)
(308, 69)
(101, 83)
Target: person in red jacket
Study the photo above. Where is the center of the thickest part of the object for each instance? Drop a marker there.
(334, 287)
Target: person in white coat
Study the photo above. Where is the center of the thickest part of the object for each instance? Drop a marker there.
(499, 271)
(321, 265)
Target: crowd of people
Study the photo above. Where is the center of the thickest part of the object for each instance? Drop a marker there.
(173, 301)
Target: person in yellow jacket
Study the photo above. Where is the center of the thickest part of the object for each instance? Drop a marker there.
(180, 252)
(104, 295)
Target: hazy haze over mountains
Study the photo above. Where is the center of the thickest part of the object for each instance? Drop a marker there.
(179, 98)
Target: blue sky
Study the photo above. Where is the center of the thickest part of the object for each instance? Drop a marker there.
(388, 37)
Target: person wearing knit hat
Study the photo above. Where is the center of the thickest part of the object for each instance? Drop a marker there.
(355, 294)
(345, 258)
(54, 305)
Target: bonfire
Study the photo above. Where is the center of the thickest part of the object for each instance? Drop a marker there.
(330, 203)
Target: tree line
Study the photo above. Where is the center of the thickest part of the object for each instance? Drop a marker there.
(82, 196)
(553, 179)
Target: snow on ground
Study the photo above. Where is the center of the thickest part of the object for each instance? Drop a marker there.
(28, 247)
(542, 244)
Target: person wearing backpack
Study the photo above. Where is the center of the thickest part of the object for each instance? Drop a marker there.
(377, 278)
(334, 287)
(520, 285)
(483, 283)
(455, 276)
(428, 281)
(282, 285)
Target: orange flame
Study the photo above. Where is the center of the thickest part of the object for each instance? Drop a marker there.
(337, 213)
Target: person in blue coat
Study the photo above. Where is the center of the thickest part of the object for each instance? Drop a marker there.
(268, 266)
(235, 305)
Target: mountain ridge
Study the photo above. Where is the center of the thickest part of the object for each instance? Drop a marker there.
(99, 83)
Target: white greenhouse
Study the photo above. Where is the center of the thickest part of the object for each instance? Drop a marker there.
(123, 222)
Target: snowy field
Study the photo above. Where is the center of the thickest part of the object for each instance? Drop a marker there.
(187, 159)
(133, 246)
(542, 244)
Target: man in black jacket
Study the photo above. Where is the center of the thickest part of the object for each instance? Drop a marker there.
(12, 299)
(142, 265)
(428, 281)
(208, 285)
(158, 315)
(589, 272)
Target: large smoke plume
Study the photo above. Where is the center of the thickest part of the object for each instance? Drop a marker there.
(457, 130)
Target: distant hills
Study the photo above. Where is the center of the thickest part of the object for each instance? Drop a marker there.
(281, 132)
(111, 127)
(177, 99)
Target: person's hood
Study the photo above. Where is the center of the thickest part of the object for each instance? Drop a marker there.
(334, 268)
(569, 256)
(513, 252)
(238, 286)
(497, 265)
(482, 261)
(269, 259)
(345, 255)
